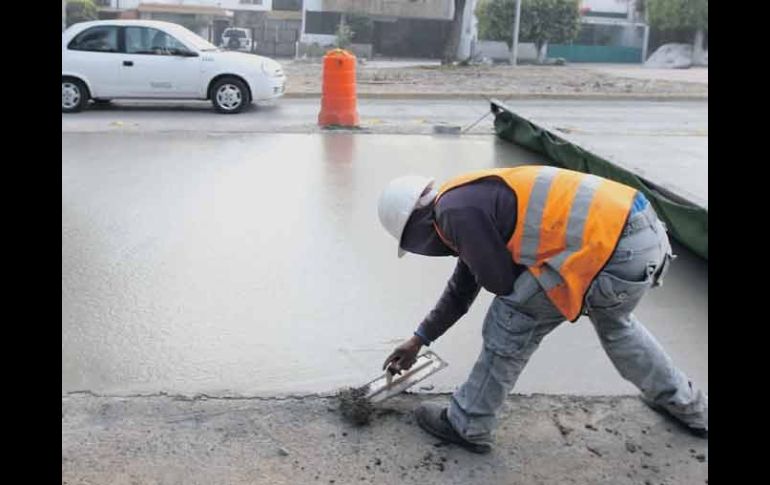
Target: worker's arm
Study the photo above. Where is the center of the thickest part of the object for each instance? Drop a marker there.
(459, 294)
(467, 216)
(484, 261)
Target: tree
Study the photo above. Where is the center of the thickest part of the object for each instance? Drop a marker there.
(354, 28)
(678, 14)
(362, 26)
(690, 15)
(81, 11)
(542, 21)
(344, 35)
(496, 19)
(455, 32)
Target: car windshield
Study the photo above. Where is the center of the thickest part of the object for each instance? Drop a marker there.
(192, 39)
(235, 33)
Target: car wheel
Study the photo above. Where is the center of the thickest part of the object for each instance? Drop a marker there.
(74, 95)
(230, 95)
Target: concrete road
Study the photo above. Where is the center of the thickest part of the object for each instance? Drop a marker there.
(393, 116)
(666, 142)
(542, 440)
(285, 115)
(223, 256)
(253, 264)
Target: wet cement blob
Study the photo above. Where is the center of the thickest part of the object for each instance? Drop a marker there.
(354, 405)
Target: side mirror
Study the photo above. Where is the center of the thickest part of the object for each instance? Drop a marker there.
(185, 53)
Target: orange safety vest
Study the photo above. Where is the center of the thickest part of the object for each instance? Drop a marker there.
(567, 227)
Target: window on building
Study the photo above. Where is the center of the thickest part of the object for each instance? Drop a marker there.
(251, 2)
(96, 39)
(620, 35)
(321, 22)
(143, 40)
(290, 5)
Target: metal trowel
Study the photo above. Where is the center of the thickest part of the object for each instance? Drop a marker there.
(388, 385)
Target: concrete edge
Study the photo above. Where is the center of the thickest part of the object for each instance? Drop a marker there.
(279, 396)
(509, 96)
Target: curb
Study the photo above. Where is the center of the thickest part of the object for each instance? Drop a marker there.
(509, 96)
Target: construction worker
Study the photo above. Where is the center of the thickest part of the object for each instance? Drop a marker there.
(552, 245)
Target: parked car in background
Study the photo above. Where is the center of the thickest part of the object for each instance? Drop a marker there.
(135, 59)
(236, 39)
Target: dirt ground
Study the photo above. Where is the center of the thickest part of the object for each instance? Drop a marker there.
(541, 440)
(304, 77)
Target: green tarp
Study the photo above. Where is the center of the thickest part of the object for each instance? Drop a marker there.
(687, 222)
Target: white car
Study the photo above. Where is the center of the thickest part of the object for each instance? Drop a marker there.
(112, 59)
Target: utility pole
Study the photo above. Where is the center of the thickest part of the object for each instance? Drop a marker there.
(646, 45)
(515, 44)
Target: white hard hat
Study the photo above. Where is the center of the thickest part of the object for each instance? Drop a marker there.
(397, 202)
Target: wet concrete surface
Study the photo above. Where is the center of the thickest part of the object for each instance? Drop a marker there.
(254, 264)
(664, 141)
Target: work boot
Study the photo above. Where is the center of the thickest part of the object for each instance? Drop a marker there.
(695, 423)
(432, 418)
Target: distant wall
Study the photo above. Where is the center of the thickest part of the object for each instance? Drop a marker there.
(423, 9)
(498, 50)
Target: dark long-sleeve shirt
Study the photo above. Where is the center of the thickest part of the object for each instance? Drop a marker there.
(478, 219)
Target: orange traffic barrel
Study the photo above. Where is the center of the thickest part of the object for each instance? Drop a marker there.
(338, 95)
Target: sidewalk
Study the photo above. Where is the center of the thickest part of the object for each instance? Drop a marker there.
(541, 440)
(414, 80)
(698, 75)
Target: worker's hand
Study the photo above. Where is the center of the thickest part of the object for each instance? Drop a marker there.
(404, 356)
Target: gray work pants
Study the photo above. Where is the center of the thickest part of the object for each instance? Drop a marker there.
(515, 325)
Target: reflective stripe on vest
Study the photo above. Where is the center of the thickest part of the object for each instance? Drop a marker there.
(567, 226)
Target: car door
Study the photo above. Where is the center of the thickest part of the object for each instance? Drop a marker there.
(94, 55)
(157, 65)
